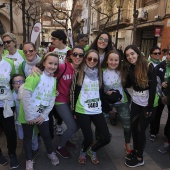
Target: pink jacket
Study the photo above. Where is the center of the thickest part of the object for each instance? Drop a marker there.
(64, 84)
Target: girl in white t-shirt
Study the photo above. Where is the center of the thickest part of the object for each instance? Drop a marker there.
(37, 101)
(113, 79)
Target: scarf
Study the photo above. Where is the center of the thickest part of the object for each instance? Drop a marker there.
(34, 62)
(155, 61)
(92, 74)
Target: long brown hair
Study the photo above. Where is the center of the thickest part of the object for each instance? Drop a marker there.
(141, 67)
(40, 65)
(81, 71)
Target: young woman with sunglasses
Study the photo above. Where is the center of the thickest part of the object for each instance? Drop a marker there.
(163, 72)
(10, 44)
(155, 53)
(32, 59)
(155, 123)
(7, 107)
(102, 44)
(142, 77)
(86, 93)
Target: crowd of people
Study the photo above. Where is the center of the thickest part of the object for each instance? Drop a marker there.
(39, 91)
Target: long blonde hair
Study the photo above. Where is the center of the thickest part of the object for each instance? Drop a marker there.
(81, 71)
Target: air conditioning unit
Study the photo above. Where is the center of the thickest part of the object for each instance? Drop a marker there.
(142, 14)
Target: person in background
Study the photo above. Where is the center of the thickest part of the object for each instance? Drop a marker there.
(10, 44)
(142, 77)
(37, 100)
(16, 81)
(59, 41)
(86, 101)
(164, 53)
(102, 44)
(7, 106)
(163, 72)
(155, 53)
(82, 40)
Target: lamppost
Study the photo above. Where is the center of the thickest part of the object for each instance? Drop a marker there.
(119, 6)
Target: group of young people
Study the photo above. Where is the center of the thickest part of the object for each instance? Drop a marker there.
(76, 87)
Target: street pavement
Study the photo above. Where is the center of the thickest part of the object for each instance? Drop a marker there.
(111, 156)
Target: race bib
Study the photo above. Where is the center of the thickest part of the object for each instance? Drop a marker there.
(3, 90)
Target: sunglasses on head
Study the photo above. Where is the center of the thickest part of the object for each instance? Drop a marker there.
(157, 53)
(76, 54)
(18, 82)
(1, 45)
(95, 60)
(30, 51)
(7, 42)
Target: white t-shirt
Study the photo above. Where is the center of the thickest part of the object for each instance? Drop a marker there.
(17, 59)
(61, 54)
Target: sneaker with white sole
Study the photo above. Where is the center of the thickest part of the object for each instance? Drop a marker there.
(53, 158)
(59, 130)
(152, 137)
(29, 165)
(164, 148)
(134, 162)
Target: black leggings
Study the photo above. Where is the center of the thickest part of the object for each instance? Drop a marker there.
(9, 129)
(139, 124)
(98, 120)
(44, 132)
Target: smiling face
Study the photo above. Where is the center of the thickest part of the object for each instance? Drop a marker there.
(8, 43)
(30, 52)
(113, 61)
(103, 41)
(51, 64)
(77, 57)
(131, 56)
(92, 59)
(156, 54)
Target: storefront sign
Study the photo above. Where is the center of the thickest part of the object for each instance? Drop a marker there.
(157, 32)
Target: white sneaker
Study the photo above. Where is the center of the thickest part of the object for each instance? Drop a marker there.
(53, 158)
(29, 165)
(59, 130)
(164, 148)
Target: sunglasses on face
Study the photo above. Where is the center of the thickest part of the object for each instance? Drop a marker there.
(157, 53)
(7, 42)
(1, 45)
(76, 54)
(95, 60)
(103, 39)
(30, 51)
(18, 82)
